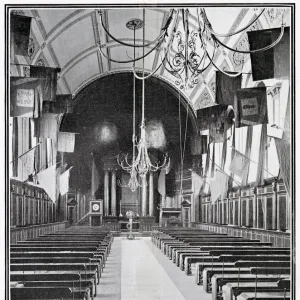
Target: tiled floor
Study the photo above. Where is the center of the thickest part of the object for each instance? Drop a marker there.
(137, 270)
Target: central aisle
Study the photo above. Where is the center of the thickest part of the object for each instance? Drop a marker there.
(142, 276)
(137, 270)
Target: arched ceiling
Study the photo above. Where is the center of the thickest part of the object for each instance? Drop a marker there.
(68, 38)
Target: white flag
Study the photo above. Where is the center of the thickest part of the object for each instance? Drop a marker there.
(47, 179)
(66, 142)
(239, 164)
(197, 183)
(64, 182)
(218, 186)
(27, 161)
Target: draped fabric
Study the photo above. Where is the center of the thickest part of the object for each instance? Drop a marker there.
(26, 97)
(197, 183)
(23, 145)
(283, 147)
(262, 156)
(250, 107)
(64, 182)
(48, 180)
(63, 103)
(274, 62)
(230, 180)
(27, 162)
(212, 170)
(226, 86)
(196, 145)
(66, 142)
(47, 126)
(218, 186)
(19, 34)
(50, 82)
(239, 164)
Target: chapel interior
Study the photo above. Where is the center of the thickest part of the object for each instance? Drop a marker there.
(149, 152)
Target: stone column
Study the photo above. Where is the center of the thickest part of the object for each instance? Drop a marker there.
(151, 194)
(144, 196)
(113, 193)
(254, 207)
(106, 193)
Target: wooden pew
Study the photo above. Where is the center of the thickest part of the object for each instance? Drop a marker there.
(232, 289)
(264, 296)
(189, 260)
(209, 272)
(219, 280)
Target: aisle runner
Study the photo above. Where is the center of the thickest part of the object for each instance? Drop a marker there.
(143, 278)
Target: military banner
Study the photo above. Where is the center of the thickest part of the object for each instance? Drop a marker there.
(250, 107)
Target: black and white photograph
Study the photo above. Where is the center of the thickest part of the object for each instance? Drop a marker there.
(149, 151)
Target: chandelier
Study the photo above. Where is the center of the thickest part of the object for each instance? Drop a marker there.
(141, 163)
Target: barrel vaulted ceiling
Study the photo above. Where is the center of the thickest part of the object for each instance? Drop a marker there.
(69, 38)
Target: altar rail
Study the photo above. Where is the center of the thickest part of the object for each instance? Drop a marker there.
(277, 238)
(23, 233)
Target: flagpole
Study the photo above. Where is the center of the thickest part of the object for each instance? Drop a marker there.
(26, 152)
(251, 160)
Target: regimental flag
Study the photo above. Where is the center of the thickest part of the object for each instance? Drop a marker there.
(48, 179)
(19, 34)
(218, 130)
(239, 164)
(206, 115)
(47, 126)
(95, 177)
(50, 83)
(63, 103)
(272, 63)
(161, 187)
(66, 142)
(251, 107)
(27, 161)
(226, 87)
(218, 186)
(26, 97)
(197, 183)
(64, 182)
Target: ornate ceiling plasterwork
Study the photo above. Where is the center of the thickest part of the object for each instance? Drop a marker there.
(69, 39)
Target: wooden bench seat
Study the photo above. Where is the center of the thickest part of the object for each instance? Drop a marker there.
(264, 296)
(82, 285)
(232, 289)
(219, 280)
(209, 272)
(27, 293)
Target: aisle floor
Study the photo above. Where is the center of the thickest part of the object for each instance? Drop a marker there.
(137, 270)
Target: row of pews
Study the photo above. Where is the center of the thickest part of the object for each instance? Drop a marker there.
(230, 268)
(63, 265)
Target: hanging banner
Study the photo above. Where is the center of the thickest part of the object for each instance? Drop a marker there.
(239, 164)
(66, 142)
(251, 107)
(218, 186)
(47, 179)
(50, 83)
(218, 130)
(47, 126)
(63, 103)
(209, 114)
(19, 34)
(226, 87)
(197, 183)
(26, 97)
(274, 62)
(64, 182)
